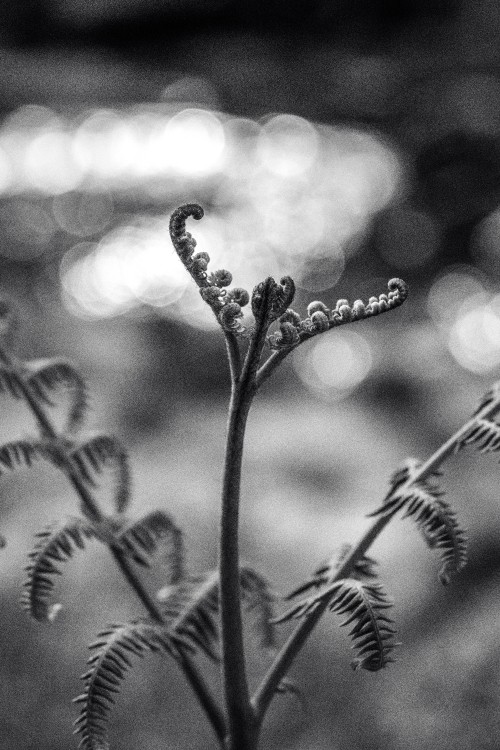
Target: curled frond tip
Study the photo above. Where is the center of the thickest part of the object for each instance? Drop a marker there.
(320, 318)
(179, 216)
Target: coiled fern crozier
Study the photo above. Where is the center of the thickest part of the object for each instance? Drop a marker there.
(203, 613)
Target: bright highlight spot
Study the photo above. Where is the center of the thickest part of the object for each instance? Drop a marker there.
(192, 143)
(450, 291)
(332, 366)
(105, 145)
(288, 145)
(49, 164)
(474, 339)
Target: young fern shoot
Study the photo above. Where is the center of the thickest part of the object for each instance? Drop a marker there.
(195, 614)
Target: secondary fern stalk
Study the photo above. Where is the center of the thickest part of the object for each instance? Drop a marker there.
(237, 698)
(284, 659)
(91, 509)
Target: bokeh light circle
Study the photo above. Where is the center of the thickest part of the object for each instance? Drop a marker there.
(332, 365)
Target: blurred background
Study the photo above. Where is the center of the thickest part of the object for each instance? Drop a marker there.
(342, 143)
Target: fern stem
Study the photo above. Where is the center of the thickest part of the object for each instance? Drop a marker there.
(242, 728)
(236, 691)
(270, 365)
(233, 355)
(285, 657)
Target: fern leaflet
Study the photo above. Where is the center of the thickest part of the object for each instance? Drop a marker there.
(484, 435)
(258, 601)
(10, 382)
(98, 453)
(155, 533)
(108, 664)
(422, 501)
(192, 609)
(365, 605)
(326, 573)
(20, 453)
(489, 398)
(54, 544)
(45, 376)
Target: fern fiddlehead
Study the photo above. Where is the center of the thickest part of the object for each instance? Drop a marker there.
(320, 319)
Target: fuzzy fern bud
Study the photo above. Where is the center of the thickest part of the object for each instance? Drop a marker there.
(229, 318)
(290, 316)
(238, 295)
(262, 298)
(178, 221)
(211, 295)
(316, 306)
(320, 321)
(285, 338)
(270, 299)
(284, 292)
(221, 278)
(199, 265)
(345, 313)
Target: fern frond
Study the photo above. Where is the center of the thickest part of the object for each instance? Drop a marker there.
(483, 435)
(46, 376)
(10, 382)
(326, 573)
(20, 453)
(373, 632)
(56, 543)
(155, 534)
(489, 398)
(423, 502)
(98, 453)
(258, 601)
(192, 609)
(108, 664)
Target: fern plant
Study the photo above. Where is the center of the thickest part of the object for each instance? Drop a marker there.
(204, 613)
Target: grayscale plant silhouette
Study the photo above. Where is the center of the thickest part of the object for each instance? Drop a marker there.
(203, 613)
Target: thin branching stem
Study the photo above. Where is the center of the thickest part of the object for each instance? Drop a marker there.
(91, 509)
(236, 692)
(233, 355)
(242, 728)
(284, 659)
(270, 365)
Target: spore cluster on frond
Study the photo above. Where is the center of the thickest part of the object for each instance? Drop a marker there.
(293, 329)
